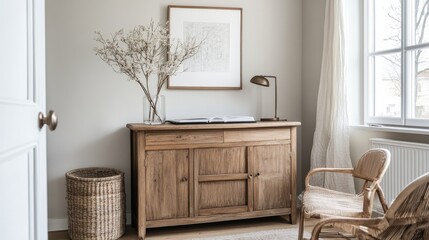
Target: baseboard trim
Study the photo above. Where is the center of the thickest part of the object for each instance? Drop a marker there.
(61, 224)
(57, 224)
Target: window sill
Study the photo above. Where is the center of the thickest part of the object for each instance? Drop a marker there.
(382, 128)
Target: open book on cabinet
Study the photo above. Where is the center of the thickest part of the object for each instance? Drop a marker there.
(215, 119)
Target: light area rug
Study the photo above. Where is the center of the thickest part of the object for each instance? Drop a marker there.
(276, 234)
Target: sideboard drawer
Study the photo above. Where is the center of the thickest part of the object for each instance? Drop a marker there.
(257, 135)
(180, 137)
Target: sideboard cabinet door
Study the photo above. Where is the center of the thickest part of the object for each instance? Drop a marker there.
(272, 181)
(167, 184)
(221, 176)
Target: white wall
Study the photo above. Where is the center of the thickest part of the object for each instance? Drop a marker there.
(94, 104)
(313, 17)
(359, 139)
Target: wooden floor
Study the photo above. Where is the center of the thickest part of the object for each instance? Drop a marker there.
(205, 230)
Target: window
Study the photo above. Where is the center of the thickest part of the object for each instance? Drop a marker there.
(397, 62)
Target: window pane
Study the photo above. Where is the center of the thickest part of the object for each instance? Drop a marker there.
(420, 84)
(387, 85)
(419, 22)
(387, 24)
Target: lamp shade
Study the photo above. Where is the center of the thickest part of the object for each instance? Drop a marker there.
(260, 80)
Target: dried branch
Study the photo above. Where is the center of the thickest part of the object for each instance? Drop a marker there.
(143, 52)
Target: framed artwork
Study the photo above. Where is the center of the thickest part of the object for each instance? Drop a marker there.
(217, 65)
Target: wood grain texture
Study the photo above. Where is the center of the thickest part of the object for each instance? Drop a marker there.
(222, 194)
(167, 184)
(271, 177)
(191, 183)
(134, 189)
(206, 173)
(181, 137)
(216, 145)
(257, 135)
(221, 160)
(223, 177)
(250, 183)
(217, 218)
(222, 210)
(141, 184)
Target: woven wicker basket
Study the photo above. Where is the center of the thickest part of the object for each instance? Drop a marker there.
(96, 203)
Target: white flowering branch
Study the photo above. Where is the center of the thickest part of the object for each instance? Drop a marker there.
(145, 52)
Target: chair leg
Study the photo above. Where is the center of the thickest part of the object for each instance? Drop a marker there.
(301, 224)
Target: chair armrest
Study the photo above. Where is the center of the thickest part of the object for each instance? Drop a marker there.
(334, 170)
(352, 221)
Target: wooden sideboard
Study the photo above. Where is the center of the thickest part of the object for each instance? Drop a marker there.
(199, 173)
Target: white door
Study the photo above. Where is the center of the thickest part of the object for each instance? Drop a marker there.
(23, 196)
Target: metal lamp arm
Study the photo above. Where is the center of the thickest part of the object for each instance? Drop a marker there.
(275, 94)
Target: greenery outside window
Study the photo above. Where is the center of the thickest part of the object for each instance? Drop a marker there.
(397, 62)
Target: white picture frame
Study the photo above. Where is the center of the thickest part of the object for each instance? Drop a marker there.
(217, 65)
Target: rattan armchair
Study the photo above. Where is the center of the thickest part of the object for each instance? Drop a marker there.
(406, 219)
(319, 202)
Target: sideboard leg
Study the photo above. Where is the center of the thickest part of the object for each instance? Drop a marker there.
(293, 217)
(141, 185)
(142, 232)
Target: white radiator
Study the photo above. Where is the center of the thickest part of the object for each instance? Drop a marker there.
(409, 161)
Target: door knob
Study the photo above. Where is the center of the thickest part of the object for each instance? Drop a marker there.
(50, 120)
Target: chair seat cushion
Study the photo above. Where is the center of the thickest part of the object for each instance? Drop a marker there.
(322, 202)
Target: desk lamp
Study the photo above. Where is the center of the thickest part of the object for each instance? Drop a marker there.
(263, 81)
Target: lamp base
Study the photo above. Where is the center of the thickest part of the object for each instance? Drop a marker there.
(270, 119)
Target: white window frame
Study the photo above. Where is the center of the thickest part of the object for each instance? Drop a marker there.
(406, 86)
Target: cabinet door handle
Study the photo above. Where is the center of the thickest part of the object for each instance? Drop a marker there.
(257, 174)
(250, 176)
(184, 179)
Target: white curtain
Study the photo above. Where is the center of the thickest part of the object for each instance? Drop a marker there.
(331, 137)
